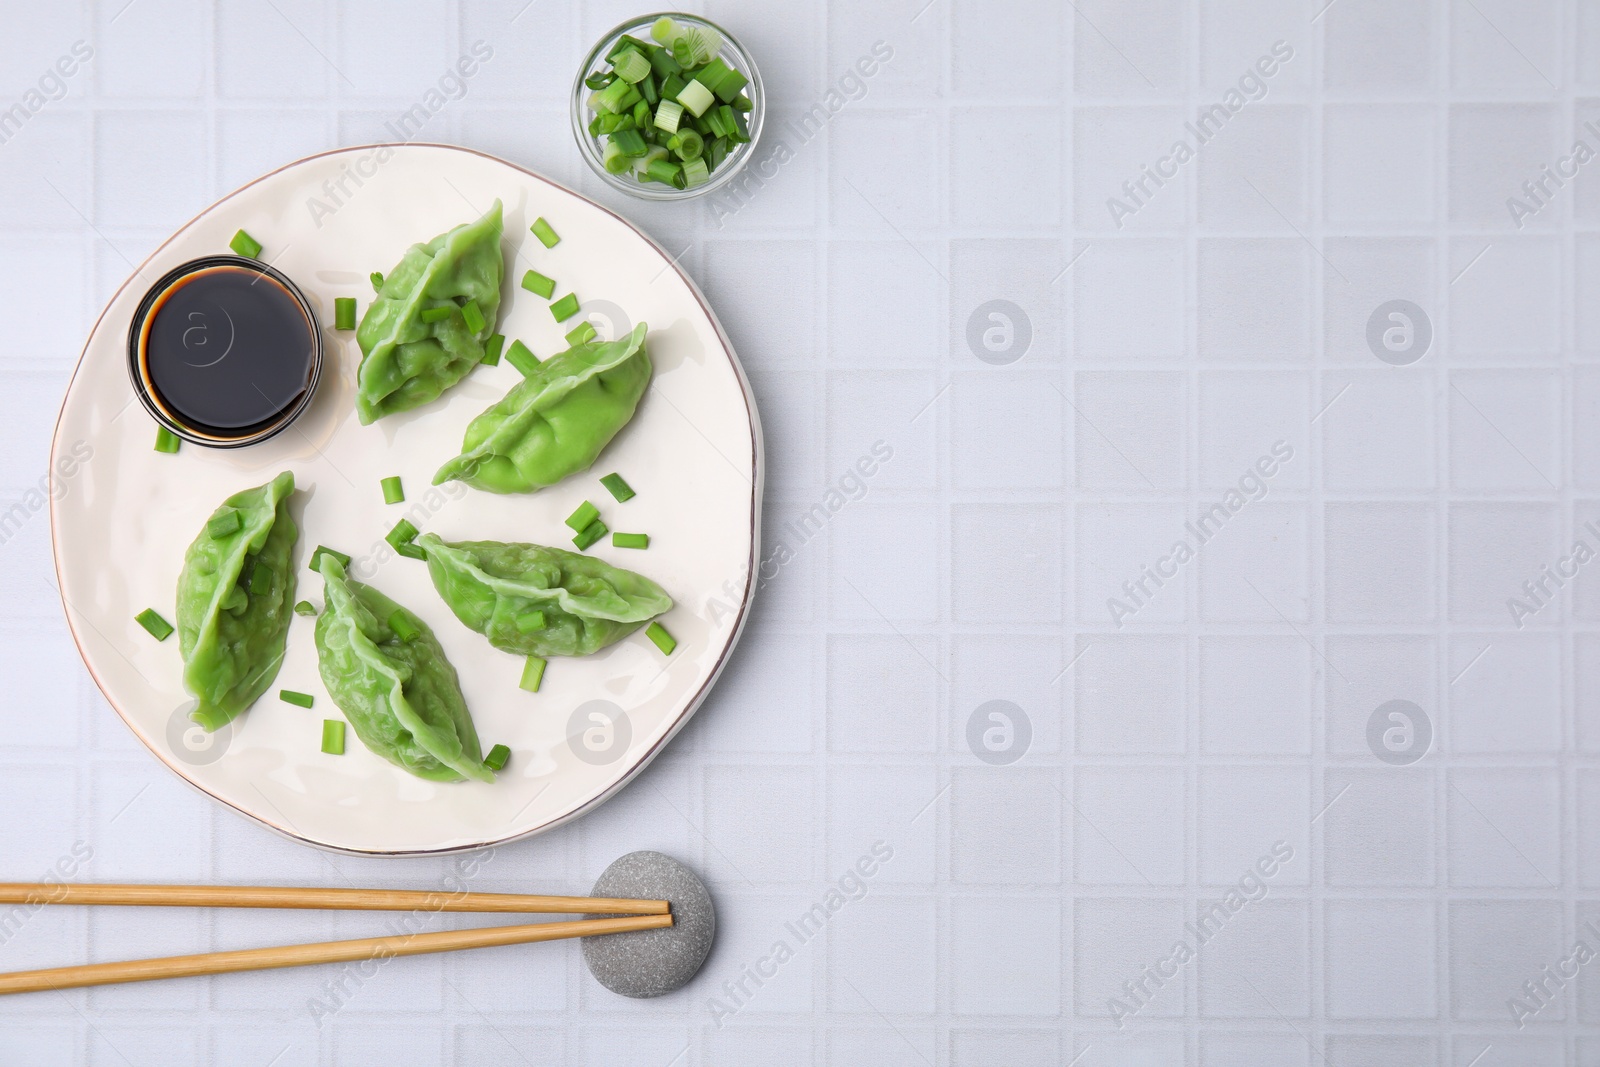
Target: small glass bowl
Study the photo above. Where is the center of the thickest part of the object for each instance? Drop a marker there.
(593, 150)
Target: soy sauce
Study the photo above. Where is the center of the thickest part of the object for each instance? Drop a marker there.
(225, 351)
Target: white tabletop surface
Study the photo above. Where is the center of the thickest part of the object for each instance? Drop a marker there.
(1157, 741)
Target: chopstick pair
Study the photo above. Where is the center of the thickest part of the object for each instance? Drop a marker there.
(638, 915)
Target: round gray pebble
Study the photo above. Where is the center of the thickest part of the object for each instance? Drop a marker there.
(649, 963)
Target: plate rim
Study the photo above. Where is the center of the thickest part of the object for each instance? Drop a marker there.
(757, 485)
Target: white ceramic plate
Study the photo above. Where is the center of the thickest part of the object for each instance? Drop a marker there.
(692, 453)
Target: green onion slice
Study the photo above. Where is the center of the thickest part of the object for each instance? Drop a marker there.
(305, 607)
(630, 540)
(521, 358)
(491, 350)
(532, 674)
(393, 491)
(617, 487)
(154, 624)
(580, 519)
(224, 522)
(166, 440)
(333, 737)
(660, 638)
(547, 236)
(474, 316)
(344, 313)
(590, 534)
(245, 245)
(539, 284)
(299, 700)
(497, 757)
(565, 308)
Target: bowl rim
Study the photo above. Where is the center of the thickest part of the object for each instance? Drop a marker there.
(588, 144)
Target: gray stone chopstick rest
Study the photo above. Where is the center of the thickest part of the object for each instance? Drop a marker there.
(650, 963)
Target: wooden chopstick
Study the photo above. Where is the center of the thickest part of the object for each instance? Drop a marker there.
(203, 896)
(371, 948)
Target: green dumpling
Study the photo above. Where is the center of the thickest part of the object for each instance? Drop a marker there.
(234, 598)
(402, 696)
(406, 362)
(538, 601)
(556, 421)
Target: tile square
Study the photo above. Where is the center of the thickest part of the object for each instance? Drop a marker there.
(130, 1042)
(1235, 35)
(1493, 939)
(253, 42)
(758, 821)
(868, 583)
(984, 64)
(1504, 429)
(792, 408)
(1260, 968)
(752, 932)
(138, 187)
(883, 693)
(1378, 562)
(1378, 430)
(1128, 694)
(882, 955)
(1376, 270)
(1243, 417)
(1583, 394)
(1506, 305)
(751, 714)
(1380, 961)
(1019, 272)
(1244, 811)
(1506, 45)
(901, 61)
(882, 410)
(1025, 669)
(1582, 592)
(1115, 546)
(1018, 1048)
(1127, 826)
(154, 50)
(1114, 940)
(1586, 286)
(57, 146)
(1255, 695)
(1009, 431)
(1020, 585)
(1378, 48)
(1494, 148)
(45, 673)
(379, 56)
(879, 174)
(775, 1046)
(1000, 966)
(1369, 671)
(986, 190)
(542, 38)
(1587, 842)
(1586, 691)
(1364, 1050)
(1521, 671)
(1377, 160)
(1505, 828)
(1377, 827)
(1128, 429)
(884, 806)
(390, 1045)
(1110, 145)
(1494, 547)
(1265, 146)
(879, 296)
(616, 1046)
(1130, 303)
(1005, 826)
(1254, 299)
(880, 1045)
(1225, 1049)
(1255, 568)
(253, 142)
(149, 804)
(1148, 56)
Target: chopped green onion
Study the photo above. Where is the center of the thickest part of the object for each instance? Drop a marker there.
(581, 334)
(474, 316)
(590, 534)
(491, 350)
(614, 159)
(626, 540)
(565, 308)
(166, 440)
(641, 166)
(245, 245)
(321, 550)
(668, 115)
(640, 116)
(299, 700)
(664, 65)
(497, 757)
(630, 65)
(344, 313)
(665, 172)
(695, 172)
(712, 73)
(260, 579)
(376, 278)
(670, 88)
(333, 737)
(687, 144)
(154, 624)
(617, 487)
(610, 98)
(663, 29)
(438, 314)
(743, 103)
(305, 607)
(581, 518)
(393, 491)
(530, 621)
(647, 89)
(403, 627)
(541, 229)
(532, 674)
(623, 43)
(224, 522)
(401, 537)
(730, 86)
(629, 142)
(521, 358)
(539, 284)
(599, 80)
(660, 638)
(693, 46)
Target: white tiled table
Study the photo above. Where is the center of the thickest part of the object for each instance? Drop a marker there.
(1163, 759)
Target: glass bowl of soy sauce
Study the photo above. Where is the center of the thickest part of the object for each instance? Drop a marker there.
(224, 351)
